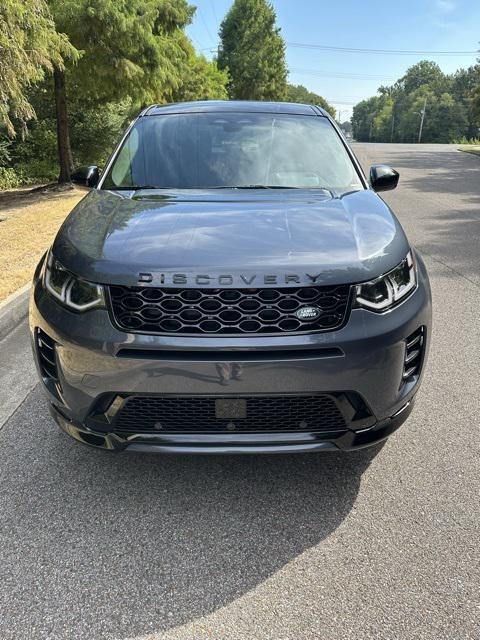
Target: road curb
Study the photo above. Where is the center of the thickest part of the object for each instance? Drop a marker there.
(13, 310)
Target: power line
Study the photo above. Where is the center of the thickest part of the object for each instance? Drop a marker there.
(344, 102)
(198, 44)
(339, 74)
(403, 52)
(206, 25)
(214, 11)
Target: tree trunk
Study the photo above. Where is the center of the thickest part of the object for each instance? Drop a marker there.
(63, 136)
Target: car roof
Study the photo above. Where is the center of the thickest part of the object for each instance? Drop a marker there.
(233, 105)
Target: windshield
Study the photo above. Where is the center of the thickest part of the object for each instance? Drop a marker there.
(222, 150)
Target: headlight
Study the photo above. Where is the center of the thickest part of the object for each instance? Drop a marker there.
(73, 292)
(386, 291)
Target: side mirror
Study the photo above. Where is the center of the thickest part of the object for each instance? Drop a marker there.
(86, 176)
(383, 177)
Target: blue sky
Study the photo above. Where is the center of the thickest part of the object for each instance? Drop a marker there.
(420, 25)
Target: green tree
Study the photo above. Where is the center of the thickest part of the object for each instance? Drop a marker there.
(445, 120)
(253, 52)
(201, 80)
(475, 110)
(424, 79)
(129, 48)
(424, 73)
(396, 113)
(299, 93)
(466, 90)
(29, 46)
(93, 133)
(363, 118)
(410, 115)
(383, 121)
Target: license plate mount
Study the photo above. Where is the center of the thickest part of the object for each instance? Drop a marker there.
(230, 408)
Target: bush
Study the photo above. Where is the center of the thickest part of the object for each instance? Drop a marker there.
(94, 131)
(8, 179)
(464, 140)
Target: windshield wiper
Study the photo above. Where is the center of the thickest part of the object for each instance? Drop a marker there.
(135, 187)
(256, 186)
(269, 186)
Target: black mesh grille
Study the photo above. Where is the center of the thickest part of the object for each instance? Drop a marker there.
(46, 355)
(228, 311)
(199, 415)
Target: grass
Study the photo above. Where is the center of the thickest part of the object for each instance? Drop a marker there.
(475, 149)
(29, 221)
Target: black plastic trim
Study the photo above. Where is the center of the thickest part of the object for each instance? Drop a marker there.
(348, 309)
(219, 355)
(231, 444)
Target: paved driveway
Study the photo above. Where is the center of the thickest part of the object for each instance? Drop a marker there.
(329, 547)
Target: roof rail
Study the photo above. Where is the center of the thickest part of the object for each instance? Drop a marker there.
(145, 111)
(323, 111)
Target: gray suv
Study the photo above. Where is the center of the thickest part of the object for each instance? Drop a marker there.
(231, 284)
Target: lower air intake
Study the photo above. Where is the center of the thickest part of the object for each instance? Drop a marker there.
(218, 414)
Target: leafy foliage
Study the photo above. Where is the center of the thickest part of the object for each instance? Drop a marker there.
(93, 130)
(9, 179)
(299, 93)
(116, 56)
(253, 52)
(150, 59)
(130, 48)
(395, 114)
(29, 46)
(201, 80)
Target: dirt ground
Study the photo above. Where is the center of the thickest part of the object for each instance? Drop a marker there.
(28, 223)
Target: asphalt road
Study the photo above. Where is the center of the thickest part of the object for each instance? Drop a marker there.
(326, 547)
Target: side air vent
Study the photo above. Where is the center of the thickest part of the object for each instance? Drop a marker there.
(46, 355)
(414, 354)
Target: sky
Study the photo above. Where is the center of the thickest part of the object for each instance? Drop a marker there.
(345, 78)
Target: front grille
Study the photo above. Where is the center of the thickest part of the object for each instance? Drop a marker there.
(414, 354)
(259, 415)
(228, 311)
(46, 355)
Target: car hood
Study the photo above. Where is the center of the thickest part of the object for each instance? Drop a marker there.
(113, 237)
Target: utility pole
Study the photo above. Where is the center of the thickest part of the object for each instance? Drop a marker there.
(371, 126)
(423, 118)
(393, 125)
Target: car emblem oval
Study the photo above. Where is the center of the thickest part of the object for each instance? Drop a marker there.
(308, 313)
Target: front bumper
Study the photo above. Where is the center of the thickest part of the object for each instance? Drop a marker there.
(227, 443)
(97, 361)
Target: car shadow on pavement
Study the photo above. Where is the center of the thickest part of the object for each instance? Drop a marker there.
(99, 545)
(451, 172)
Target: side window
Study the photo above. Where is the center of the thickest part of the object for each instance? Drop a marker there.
(122, 170)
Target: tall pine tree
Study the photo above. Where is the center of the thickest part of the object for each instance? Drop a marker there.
(253, 52)
(29, 46)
